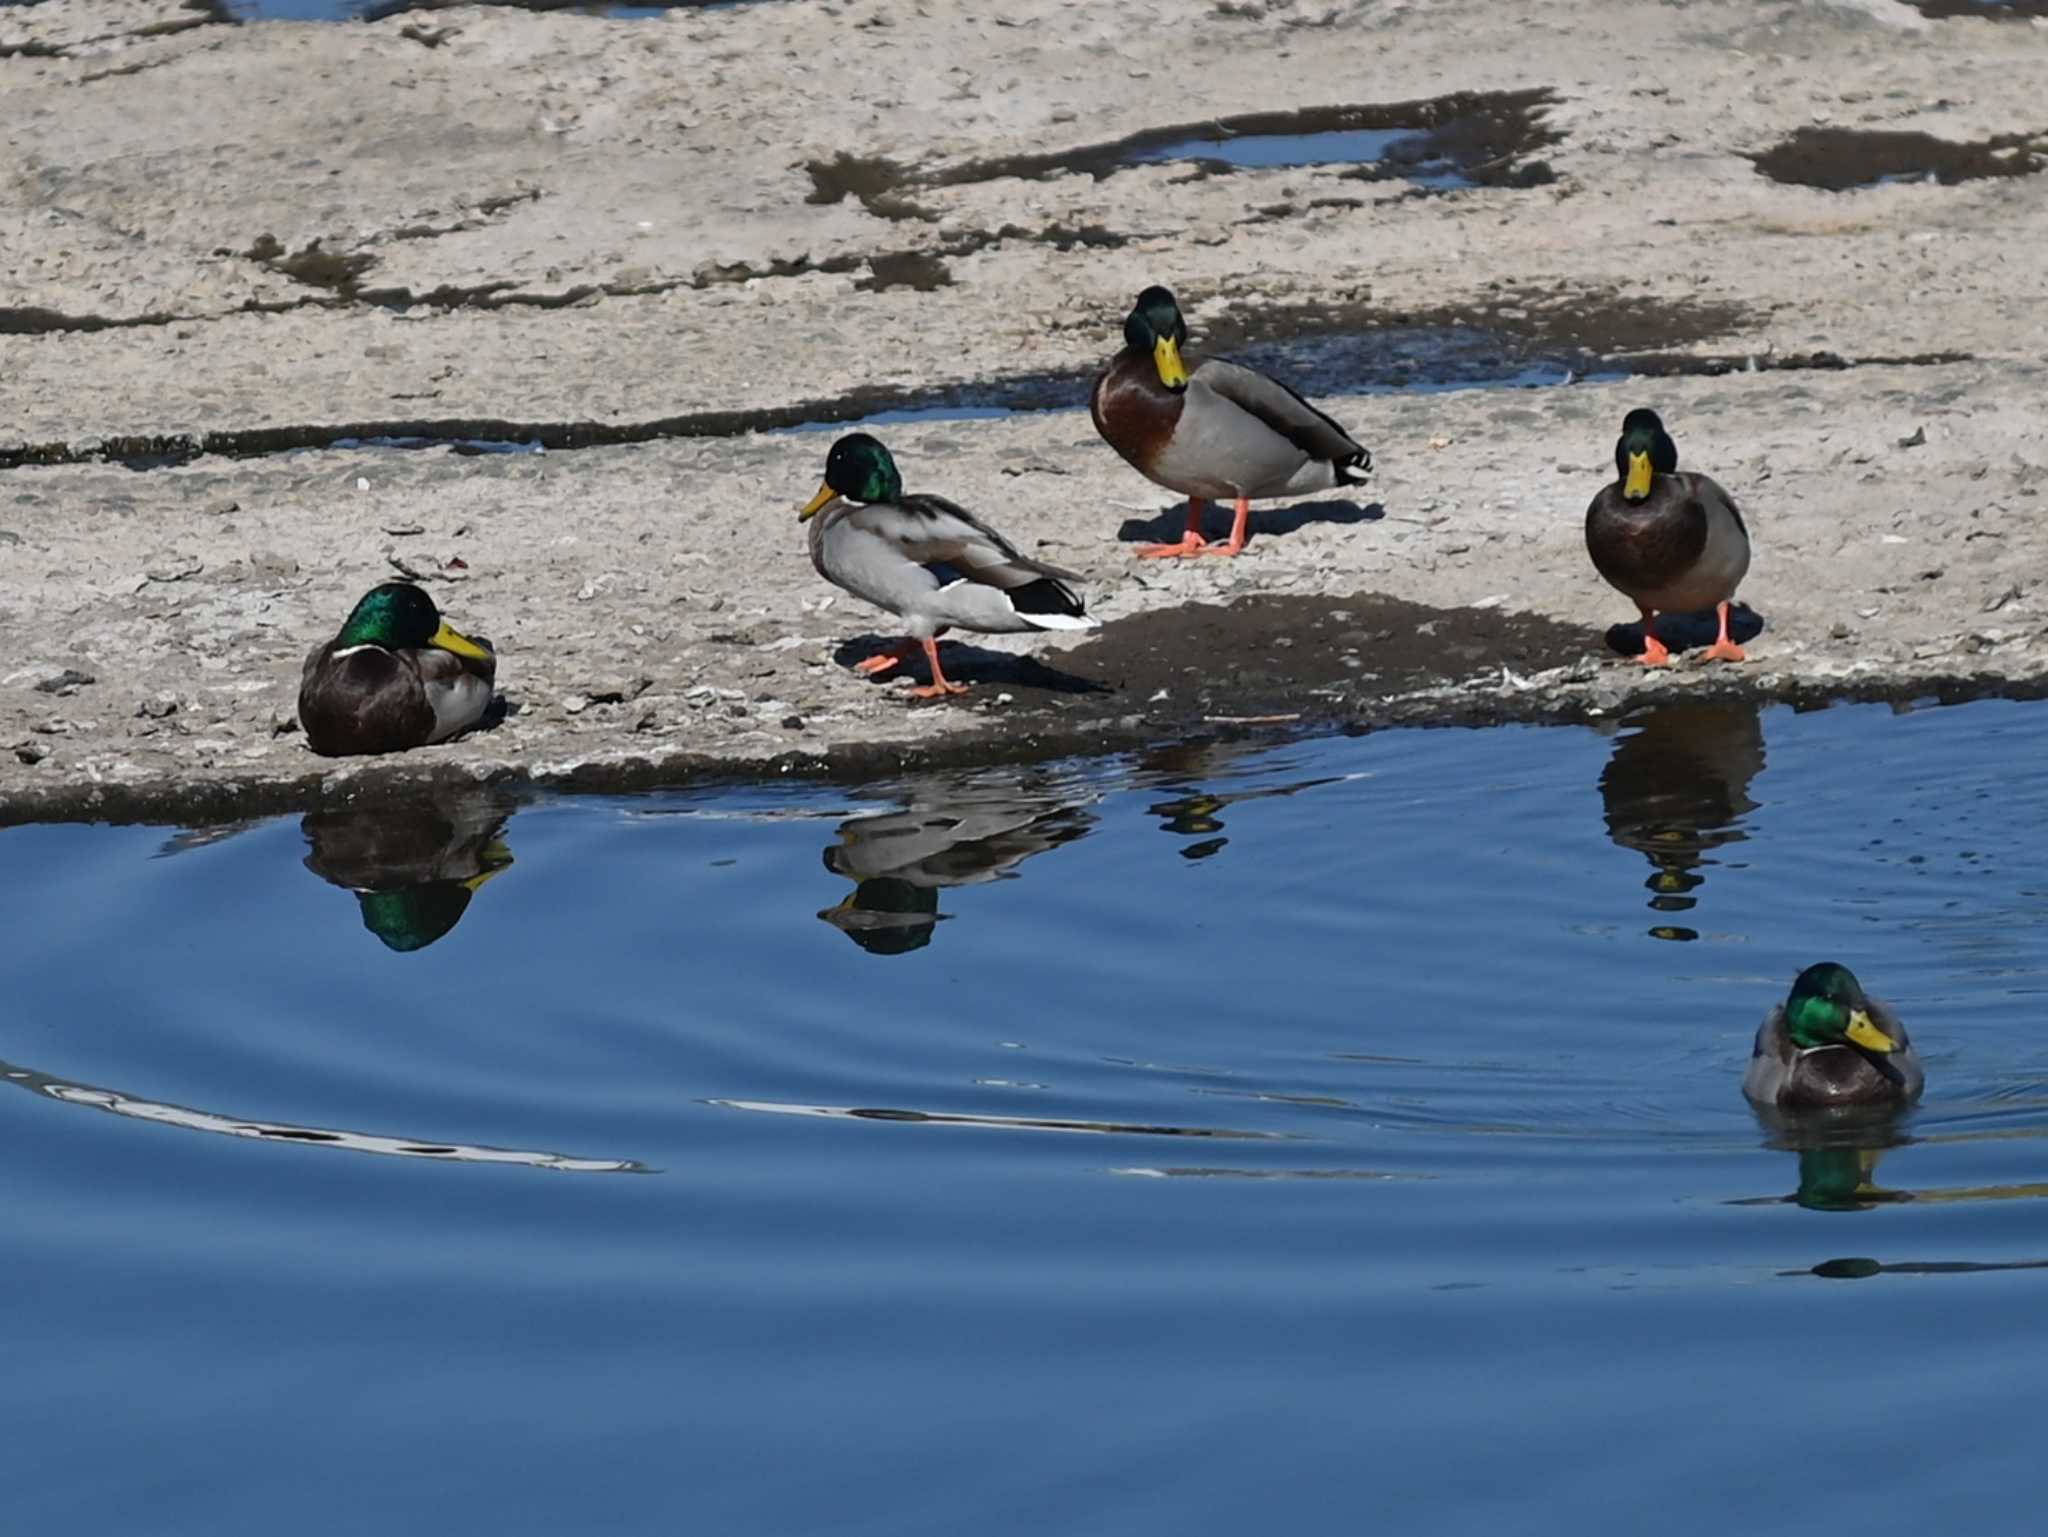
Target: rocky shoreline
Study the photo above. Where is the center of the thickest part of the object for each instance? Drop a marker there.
(673, 253)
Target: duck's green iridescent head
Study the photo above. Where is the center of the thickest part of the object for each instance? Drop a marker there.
(401, 617)
(1155, 327)
(859, 469)
(1643, 452)
(1826, 1007)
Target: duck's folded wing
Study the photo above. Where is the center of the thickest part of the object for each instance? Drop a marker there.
(1713, 496)
(457, 689)
(1274, 404)
(933, 531)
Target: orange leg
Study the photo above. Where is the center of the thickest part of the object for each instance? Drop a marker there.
(882, 661)
(1237, 531)
(938, 687)
(1655, 652)
(1192, 542)
(1724, 649)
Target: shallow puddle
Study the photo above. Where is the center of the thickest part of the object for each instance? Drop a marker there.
(1467, 139)
(1843, 159)
(1291, 1119)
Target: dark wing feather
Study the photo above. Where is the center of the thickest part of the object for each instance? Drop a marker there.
(369, 701)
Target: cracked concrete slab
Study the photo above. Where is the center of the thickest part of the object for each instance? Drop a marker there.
(275, 232)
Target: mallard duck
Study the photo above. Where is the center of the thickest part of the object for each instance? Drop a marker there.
(412, 869)
(933, 564)
(395, 677)
(1671, 542)
(1828, 1044)
(1212, 429)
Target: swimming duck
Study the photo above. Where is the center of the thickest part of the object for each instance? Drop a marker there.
(1828, 1044)
(1212, 429)
(930, 562)
(395, 677)
(1672, 542)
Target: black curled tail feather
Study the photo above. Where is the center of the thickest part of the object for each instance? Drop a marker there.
(1352, 471)
(1047, 595)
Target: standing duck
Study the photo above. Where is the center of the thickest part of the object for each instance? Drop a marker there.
(1212, 429)
(934, 564)
(1828, 1044)
(395, 677)
(1671, 542)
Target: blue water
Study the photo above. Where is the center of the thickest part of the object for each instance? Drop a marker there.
(1337, 1134)
(1353, 146)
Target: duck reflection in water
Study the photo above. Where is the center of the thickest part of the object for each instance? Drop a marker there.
(1677, 787)
(1195, 812)
(413, 868)
(1838, 1152)
(955, 830)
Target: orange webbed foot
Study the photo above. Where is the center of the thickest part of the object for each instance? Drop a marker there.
(1655, 652)
(1193, 544)
(937, 690)
(882, 661)
(1726, 651)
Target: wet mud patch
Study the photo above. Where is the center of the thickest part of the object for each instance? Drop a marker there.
(919, 271)
(1844, 159)
(1274, 659)
(312, 264)
(382, 10)
(1466, 139)
(1512, 339)
(1989, 10)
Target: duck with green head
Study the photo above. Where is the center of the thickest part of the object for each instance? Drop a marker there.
(927, 560)
(1670, 540)
(1211, 429)
(396, 676)
(1830, 1044)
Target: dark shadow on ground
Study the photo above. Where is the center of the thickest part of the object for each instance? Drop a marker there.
(1687, 632)
(970, 664)
(1289, 518)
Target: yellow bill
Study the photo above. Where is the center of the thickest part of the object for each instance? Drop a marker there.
(454, 640)
(816, 504)
(1166, 358)
(1867, 1035)
(1638, 485)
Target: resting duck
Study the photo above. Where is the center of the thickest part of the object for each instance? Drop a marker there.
(1212, 429)
(395, 677)
(1671, 542)
(933, 564)
(1828, 1044)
